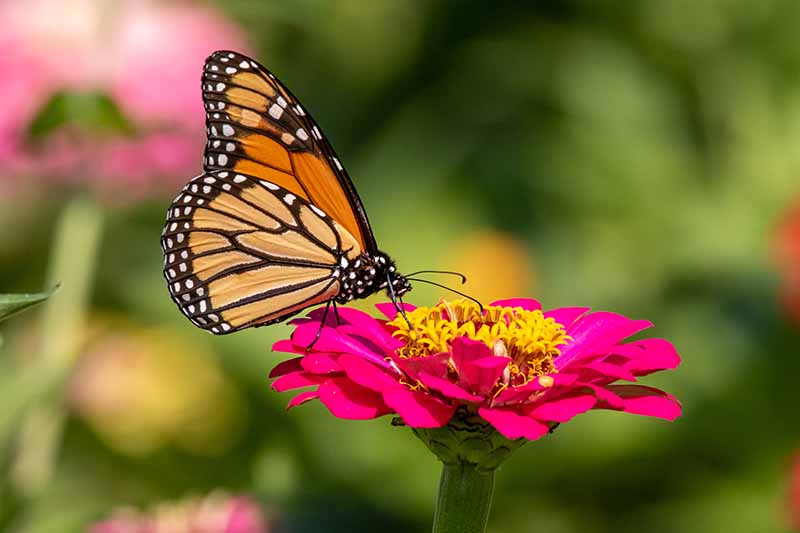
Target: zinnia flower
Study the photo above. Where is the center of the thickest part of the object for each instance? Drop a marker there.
(215, 513)
(521, 369)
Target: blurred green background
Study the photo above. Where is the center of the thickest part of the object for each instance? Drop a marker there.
(640, 157)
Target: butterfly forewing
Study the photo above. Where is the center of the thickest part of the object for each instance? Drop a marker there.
(257, 127)
(242, 251)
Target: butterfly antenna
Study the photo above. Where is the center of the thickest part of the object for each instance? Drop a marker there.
(448, 272)
(445, 287)
(393, 296)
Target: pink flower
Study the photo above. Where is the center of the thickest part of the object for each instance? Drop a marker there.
(520, 369)
(216, 513)
(146, 55)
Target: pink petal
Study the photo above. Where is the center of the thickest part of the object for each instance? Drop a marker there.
(390, 311)
(647, 401)
(478, 369)
(649, 355)
(285, 345)
(368, 375)
(435, 365)
(331, 340)
(285, 367)
(447, 388)
(302, 398)
(605, 398)
(564, 408)
(320, 363)
(607, 370)
(528, 304)
(419, 409)
(513, 425)
(296, 380)
(522, 392)
(566, 315)
(594, 330)
(346, 399)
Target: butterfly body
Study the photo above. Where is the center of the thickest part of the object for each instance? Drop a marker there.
(274, 225)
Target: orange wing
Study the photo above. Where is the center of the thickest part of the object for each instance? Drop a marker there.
(240, 251)
(257, 127)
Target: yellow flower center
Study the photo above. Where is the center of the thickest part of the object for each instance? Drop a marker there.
(527, 337)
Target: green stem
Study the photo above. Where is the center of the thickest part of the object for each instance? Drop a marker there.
(465, 497)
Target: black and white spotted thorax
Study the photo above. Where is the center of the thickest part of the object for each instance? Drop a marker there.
(368, 274)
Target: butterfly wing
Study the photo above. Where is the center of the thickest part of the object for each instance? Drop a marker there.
(257, 127)
(240, 251)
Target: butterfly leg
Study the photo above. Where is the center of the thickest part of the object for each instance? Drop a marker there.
(322, 324)
(400, 309)
(336, 313)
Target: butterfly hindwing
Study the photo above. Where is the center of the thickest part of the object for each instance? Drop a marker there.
(257, 127)
(241, 251)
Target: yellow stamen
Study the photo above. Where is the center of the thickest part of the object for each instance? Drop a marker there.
(527, 337)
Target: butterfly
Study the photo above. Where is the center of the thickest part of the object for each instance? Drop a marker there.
(274, 224)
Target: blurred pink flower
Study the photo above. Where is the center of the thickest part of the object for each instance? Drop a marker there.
(520, 369)
(216, 513)
(786, 253)
(145, 54)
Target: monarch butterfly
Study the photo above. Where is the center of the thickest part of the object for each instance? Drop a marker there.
(274, 224)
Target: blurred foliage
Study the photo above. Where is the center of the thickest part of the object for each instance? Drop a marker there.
(628, 156)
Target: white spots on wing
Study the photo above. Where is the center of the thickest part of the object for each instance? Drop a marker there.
(187, 198)
(215, 330)
(343, 262)
(220, 87)
(200, 201)
(287, 138)
(179, 237)
(230, 147)
(239, 178)
(337, 163)
(318, 211)
(210, 160)
(216, 143)
(202, 321)
(214, 130)
(225, 327)
(216, 115)
(203, 306)
(173, 226)
(194, 187)
(224, 59)
(190, 308)
(301, 134)
(316, 132)
(176, 212)
(186, 224)
(213, 317)
(269, 185)
(215, 68)
(190, 284)
(185, 254)
(172, 273)
(230, 70)
(209, 180)
(186, 297)
(182, 267)
(171, 258)
(275, 111)
(299, 110)
(206, 189)
(226, 186)
(176, 286)
(244, 64)
(169, 243)
(289, 199)
(200, 291)
(281, 102)
(223, 159)
(220, 105)
(231, 55)
(227, 130)
(223, 174)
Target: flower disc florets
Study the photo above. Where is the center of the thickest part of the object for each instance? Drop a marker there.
(529, 339)
(521, 369)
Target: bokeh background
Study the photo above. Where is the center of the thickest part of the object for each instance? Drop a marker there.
(641, 157)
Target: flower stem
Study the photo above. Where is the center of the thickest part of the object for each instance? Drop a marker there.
(465, 497)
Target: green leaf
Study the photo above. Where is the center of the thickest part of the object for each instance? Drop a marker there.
(93, 112)
(11, 304)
